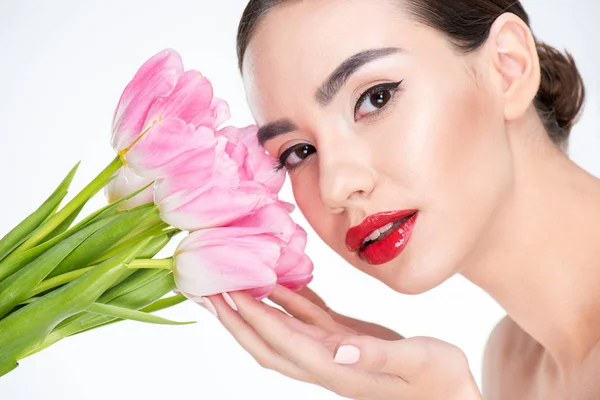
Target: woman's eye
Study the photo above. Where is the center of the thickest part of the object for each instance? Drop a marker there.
(293, 156)
(374, 99)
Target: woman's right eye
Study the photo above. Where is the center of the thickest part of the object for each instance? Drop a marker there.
(293, 157)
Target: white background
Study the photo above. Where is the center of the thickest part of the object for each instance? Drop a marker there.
(63, 65)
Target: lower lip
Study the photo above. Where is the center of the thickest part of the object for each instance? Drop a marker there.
(391, 246)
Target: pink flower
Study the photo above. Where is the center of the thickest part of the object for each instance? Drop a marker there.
(219, 260)
(156, 78)
(270, 247)
(294, 269)
(206, 192)
(215, 116)
(274, 217)
(164, 115)
(167, 146)
(125, 183)
(253, 161)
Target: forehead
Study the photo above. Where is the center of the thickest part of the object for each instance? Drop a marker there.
(299, 44)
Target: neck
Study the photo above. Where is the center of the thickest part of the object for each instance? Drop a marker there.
(541, 261)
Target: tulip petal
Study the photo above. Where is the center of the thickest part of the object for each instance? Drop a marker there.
(292, 254)
(257, 164)
(215, 116)
(213, 271)
(215, 236)
(165, 146)
(273, 216)
(125, 183)
(156, 78)
(192, 95)
(204, 168)
(212, 206)
(296, 283)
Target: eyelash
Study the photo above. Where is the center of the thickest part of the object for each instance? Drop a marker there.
(282, 159)
(393, 87)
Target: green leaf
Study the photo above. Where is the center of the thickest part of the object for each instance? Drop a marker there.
(110, 210)
(18, 234)
(137, 298)
(104, 238)
(65, 224)
(89, 191)
(15, 261)
(164, 303)
(16, 287)
(58, 280)
(159, 241)
(140, 279)
(25, 330)
(134, 315)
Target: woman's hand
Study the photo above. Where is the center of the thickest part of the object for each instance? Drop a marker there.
(352, 358)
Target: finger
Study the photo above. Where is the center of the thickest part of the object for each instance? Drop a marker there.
(311, 355)
(408, 359)
(306, 352)
(247, 337)
(313, 297)
(305, 310)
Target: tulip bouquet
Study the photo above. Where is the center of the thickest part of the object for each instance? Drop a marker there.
(176, 171)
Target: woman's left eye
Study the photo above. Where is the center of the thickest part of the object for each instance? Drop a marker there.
(375, 99)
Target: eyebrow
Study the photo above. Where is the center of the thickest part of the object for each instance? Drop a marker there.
(327, 90)
(338, 78)
(273, 129)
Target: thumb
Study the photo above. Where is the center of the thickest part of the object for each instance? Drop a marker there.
(406, 358)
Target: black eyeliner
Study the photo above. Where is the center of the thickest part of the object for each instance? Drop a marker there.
(374, 89)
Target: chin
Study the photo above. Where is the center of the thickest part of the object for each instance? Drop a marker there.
(414, 272)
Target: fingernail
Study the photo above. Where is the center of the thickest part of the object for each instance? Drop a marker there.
(209, 306)
(347, 354)
(230, 301)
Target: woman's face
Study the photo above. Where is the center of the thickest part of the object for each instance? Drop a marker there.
(373, 113)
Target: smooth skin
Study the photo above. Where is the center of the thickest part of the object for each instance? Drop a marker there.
(461, 142)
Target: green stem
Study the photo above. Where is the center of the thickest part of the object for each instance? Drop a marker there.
(58, 280)
(166, 263)
(86, 193)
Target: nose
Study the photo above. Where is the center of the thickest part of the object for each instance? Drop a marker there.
(346, 174)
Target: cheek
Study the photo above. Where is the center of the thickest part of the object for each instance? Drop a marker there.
(454, 162)
(305, 187)
(446, 142)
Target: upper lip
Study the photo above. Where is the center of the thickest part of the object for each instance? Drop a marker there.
(357, 234)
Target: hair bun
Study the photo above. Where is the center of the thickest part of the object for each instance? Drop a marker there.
(561, 94)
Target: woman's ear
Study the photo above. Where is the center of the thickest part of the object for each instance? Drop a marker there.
(515, 62)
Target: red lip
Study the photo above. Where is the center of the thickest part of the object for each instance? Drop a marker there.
(389, 247)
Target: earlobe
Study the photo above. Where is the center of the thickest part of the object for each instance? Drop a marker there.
(516, 63)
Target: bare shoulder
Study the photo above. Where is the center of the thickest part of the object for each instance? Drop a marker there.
(509, 358)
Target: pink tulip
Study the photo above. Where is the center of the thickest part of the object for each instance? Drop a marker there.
(212, 205)
(191, 97)
(294, 269)
(156, 78)
(219, 260)
(165, 114)
(125, 183)
(207, 192)
(222, 260)
(275, 217)
(257, 165)
(215, 116)
(166, 146)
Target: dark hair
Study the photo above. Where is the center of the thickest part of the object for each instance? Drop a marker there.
(467, 24)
